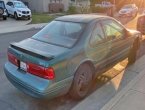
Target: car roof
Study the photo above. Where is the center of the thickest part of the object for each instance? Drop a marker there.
(17, 1)
(81, 18)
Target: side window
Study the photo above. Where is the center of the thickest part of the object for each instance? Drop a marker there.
(97, 35)
(10, 3)
(113, 30)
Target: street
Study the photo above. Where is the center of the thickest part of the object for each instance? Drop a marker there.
(13, 99)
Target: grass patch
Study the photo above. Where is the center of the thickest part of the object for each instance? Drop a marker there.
(41, 18)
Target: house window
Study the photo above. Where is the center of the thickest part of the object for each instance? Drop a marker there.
(55, 1)
(72, 0)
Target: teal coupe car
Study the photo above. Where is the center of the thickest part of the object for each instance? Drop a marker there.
(67, 54)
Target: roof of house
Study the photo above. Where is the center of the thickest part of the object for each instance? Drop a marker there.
(82, 18)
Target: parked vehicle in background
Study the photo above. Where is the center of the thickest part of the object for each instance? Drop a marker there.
(108, 8)
(18, 9)
(68, 54)
(141, 23)
(129, 10)
(104, 4)
(3, 10)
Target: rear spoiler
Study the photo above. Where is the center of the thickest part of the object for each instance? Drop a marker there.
(35, 54)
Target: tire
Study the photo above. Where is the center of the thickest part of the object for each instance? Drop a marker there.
(8, 15)
(133, 52)
(82, 82)
(4, 18)
(16, 16)
(1, 11)
(29, 18)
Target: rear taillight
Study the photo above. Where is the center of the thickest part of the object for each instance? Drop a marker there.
(12, 59)
(47, 73)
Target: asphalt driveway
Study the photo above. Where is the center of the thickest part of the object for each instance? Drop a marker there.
(11, 22)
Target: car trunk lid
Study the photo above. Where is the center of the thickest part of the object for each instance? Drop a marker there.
(35, 51)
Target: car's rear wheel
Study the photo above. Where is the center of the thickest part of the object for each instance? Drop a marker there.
(16, 16)
(82, 82)
(1, 11)
(133, 51)
(8, 13)
(4, 18)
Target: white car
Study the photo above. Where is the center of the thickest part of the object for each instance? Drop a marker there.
(18, 9)
(129, 10)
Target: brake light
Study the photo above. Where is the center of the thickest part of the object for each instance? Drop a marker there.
(12, 59)
(49, 73)
(46, 73)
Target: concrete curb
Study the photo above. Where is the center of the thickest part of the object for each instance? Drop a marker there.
(116, 98)
(93, 102)
(22, 28)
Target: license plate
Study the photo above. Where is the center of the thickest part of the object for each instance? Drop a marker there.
(23, 66)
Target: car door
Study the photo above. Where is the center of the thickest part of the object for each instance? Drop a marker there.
(10, 7)
(98, 48)
(115, 33)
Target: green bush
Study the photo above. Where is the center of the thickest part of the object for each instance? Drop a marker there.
(98, 9)
(72, 10)
(41, 18)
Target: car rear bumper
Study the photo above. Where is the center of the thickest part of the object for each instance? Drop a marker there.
(35, 86)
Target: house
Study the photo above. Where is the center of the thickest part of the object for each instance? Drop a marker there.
(43, 6)
(47, 5)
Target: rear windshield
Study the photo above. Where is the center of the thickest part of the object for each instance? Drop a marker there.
(60, 33)
(2, 4)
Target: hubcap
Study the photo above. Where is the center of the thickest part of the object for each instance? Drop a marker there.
(83, 82)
